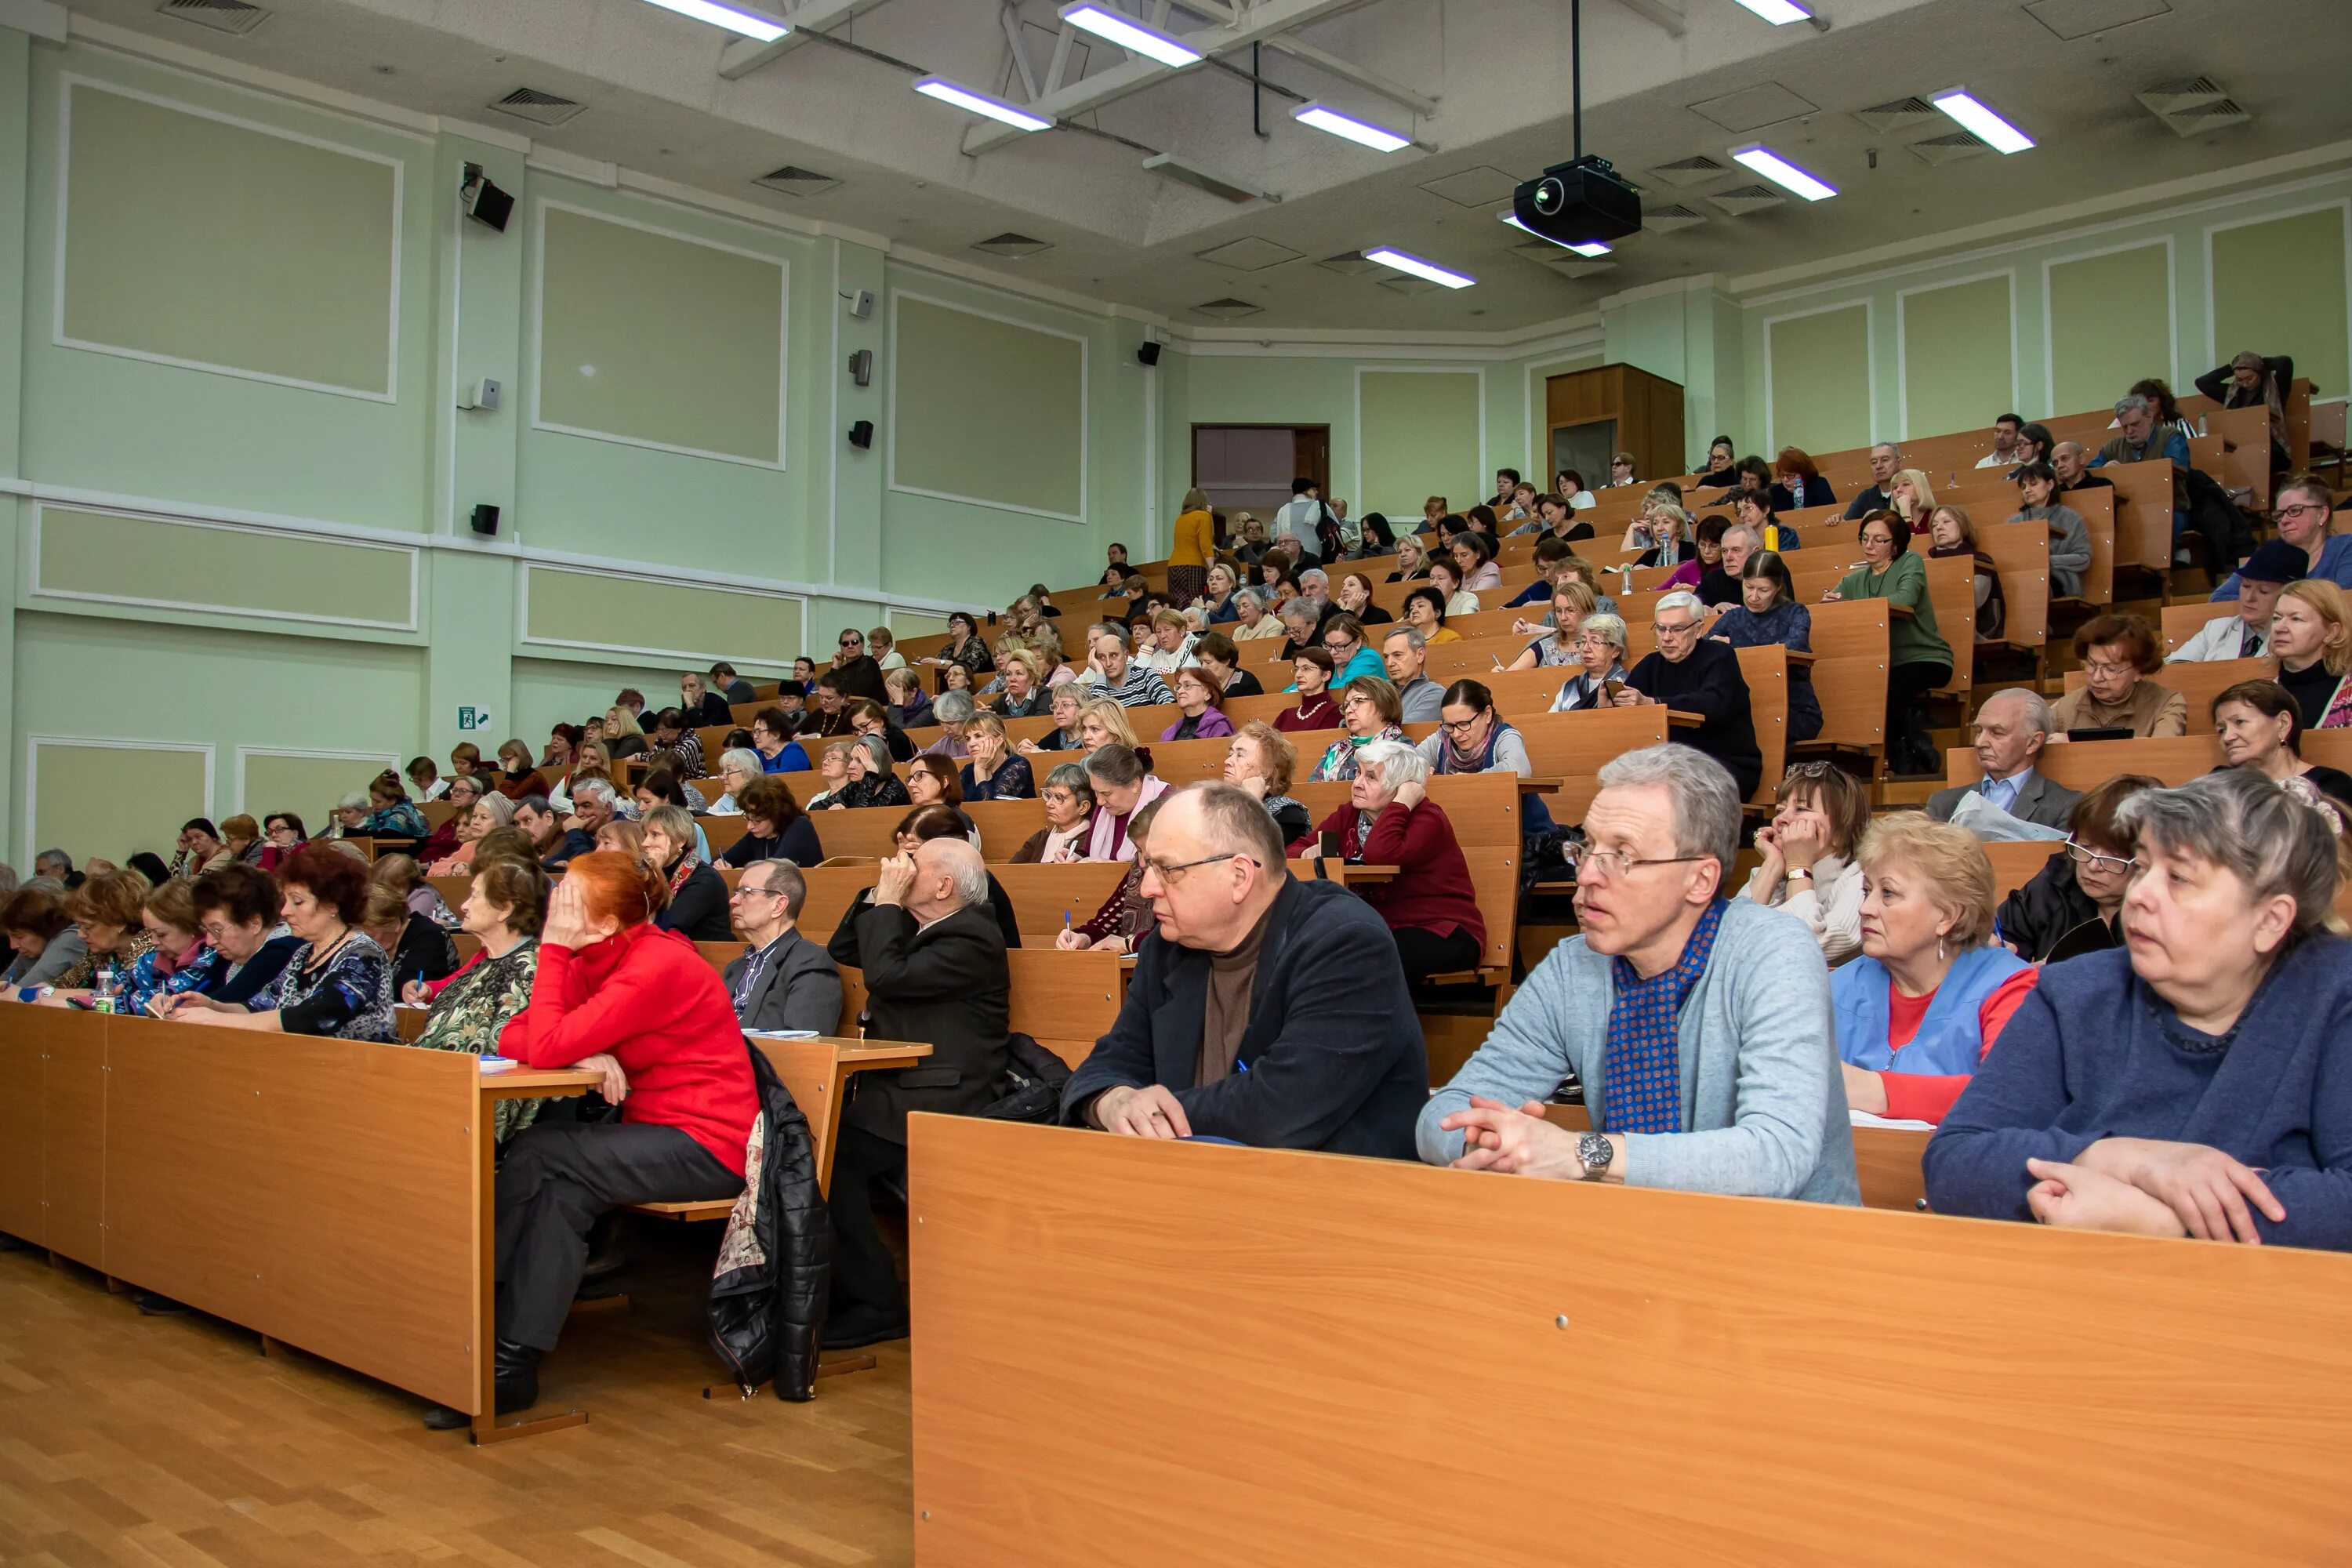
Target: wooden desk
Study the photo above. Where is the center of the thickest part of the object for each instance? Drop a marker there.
(330, 1194)
(1696, 1364)
(1885, 1160)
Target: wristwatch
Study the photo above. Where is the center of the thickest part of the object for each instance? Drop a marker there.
(1795, 872)
(1595, 1153)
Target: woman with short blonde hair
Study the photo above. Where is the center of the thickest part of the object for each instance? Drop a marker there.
(1103, 722)
(2311, 633)
(1929, 995)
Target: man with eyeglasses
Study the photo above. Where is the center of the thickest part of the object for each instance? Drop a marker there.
(1693, 674)
(783, 981)
(1262, 1009)
(2012, 726)
(1699, 1026)
(854, 673)
(2304, 511)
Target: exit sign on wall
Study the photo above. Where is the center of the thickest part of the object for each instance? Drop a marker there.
(473, 717)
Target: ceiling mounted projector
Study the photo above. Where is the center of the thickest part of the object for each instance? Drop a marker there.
(1578, 203)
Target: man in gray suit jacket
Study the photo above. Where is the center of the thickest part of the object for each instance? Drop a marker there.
(2012, 729)
(783, 981)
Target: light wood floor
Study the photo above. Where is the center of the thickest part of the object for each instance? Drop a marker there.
(151, 1441)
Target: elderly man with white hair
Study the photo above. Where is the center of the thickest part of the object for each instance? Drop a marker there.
(935, 970)
(1700, 1029)
(1263, 1008)
(1693, 673)
(2012, 726)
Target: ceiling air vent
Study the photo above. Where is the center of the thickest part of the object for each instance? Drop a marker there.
(1353, 263)
(1404, 285)
(1228, 309)
(792, 180)
(1683, 172)
(539, 108)
(1902, 115)
(1744, 199)
(1013, 247)
(1669, 216)
(220, 16)
(2193, 107)
(1948, 148)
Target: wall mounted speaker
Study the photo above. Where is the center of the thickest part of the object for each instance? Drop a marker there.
(862, 305)
(485, 519)
(1148, 355)
(861, 435)
(861, 367)
(483, 201)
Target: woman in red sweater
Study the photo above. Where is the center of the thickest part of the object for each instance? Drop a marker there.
(639, 1005)
(1430, 908)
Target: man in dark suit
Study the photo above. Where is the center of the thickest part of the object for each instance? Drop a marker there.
(935, 970)
(730, 685)
(699, 704)
(2012, 729)
(783, 981)
(1266, 1010)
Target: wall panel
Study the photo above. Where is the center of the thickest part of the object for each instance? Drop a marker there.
(658, 620)
(2278, 286)
(1420, 434)
(114, 558)
(112, 796)
(306, 784)
(1959, 361)
(986, 410)
(1817, 379)
(2110, 324)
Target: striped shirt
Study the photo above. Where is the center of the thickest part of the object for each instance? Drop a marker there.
(1141, 686)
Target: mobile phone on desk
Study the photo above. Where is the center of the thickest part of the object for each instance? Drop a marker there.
(1612, 687)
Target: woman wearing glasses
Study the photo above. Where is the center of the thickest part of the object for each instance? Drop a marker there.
(2117, 652)
(1919, 659)
(1346, 640)
(1927, 997)
(1370, 709)
(1601, 643)
(1431, 907)
(2076, 896)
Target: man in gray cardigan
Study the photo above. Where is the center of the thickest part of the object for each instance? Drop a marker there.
(1700, 1029)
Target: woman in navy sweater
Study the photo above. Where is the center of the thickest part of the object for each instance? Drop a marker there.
(2194, 1083)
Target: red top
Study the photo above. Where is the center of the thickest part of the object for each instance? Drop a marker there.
(1927, 1097)
(1432, 891)
(646, 998)
(517, 789)
(1322, 713)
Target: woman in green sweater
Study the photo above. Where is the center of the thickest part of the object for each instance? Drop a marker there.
(1919, 659)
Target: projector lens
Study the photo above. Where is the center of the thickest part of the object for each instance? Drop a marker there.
(1550, 196)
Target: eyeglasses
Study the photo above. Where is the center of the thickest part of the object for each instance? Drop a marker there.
(852, 642)
(1612, 864)
(2101, 666)
(2304, 511)
(1460, 726)
(1168, 873)
(1666, 631)
(748, 891)
(1339, 645)
(2084, 855)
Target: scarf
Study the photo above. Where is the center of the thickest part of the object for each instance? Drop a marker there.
(1640, 1058)
(685, 865)
(1453, 759)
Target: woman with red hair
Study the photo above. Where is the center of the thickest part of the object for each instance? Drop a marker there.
(616, 995)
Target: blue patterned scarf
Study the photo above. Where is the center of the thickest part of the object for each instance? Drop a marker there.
(1640, 1059)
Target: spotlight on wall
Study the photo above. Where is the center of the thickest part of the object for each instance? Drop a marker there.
(484, 201)
(861, 435)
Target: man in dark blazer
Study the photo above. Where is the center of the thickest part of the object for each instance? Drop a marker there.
(1885, 460)
(1264, 1009)
(730, 686)
(934, 971)
(783, 981)
(2012, 727)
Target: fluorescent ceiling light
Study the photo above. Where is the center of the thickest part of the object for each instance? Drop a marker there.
(1782, 172)
(1363, 132)
(1582, 247)
(1130, 35)
(1388, 256)
(1981, 122)
(734, 19)
(980, 103)
(1779, 13)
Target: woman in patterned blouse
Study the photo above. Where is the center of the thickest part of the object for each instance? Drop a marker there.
(339, 981)
(179, 961)
(503, 910)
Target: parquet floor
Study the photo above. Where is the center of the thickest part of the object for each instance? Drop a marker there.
(173, 1442)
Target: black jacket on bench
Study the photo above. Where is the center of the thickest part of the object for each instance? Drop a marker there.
(1333, 1049)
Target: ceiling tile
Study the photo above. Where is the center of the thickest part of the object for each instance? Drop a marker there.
(1483, 186)
(1752, 108)
(2081, 18)
(1249, 254)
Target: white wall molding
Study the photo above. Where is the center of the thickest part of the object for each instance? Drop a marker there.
(1358, 502)
(1869, 354)
(34, 743)
(2341, 206)
(1902, 345)
(666, 577)
(186, 60)
(536, 328)
(1086, 414)
(2172, 310)
(66, 86)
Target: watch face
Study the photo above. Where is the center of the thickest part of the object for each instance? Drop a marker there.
(1593, 1152)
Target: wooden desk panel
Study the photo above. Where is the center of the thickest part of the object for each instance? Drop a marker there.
(22, 1147)
(1717, 1339)
(73, 1128)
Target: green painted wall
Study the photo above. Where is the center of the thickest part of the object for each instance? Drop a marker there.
(1420, 432)
(1960, 356)
(1819, 379)
(2279, 283)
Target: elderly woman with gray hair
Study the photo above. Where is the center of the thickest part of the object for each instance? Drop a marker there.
(487, 812)
(868, 780)
(2194, 1082)
(1431, 906)
(953, 712)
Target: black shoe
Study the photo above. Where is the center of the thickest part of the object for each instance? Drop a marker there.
(860, 1325)
(516, 1388)
(608, 1249)
(152, 1304)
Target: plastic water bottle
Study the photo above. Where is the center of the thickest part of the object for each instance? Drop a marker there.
(107, 993)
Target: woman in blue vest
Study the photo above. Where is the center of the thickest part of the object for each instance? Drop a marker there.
(1927, 997)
